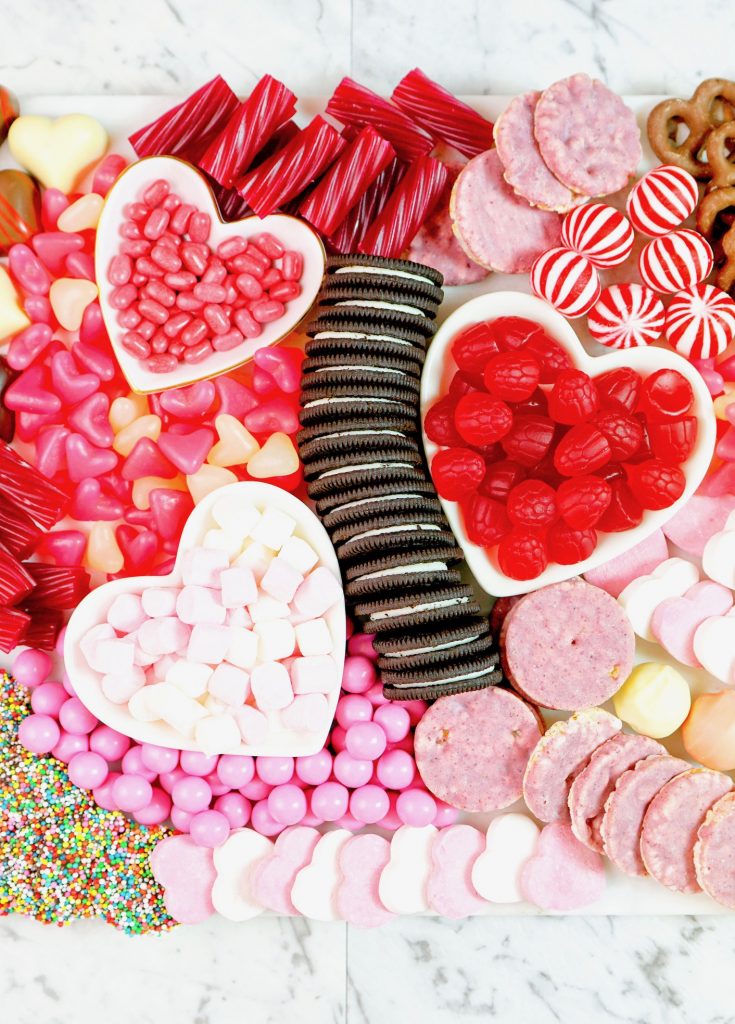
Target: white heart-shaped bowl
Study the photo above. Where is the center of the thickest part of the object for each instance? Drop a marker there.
(280, 742)
(192, 188)
(440, 367)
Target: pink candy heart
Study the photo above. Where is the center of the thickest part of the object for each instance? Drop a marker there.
(89, 503)
(170, 510)
(69, 384)
(30, 393)
(187, 873)
(562, 874)
(191, 402)
(676, 620)
(146, 459)
(235, 399)
(90, 357)
(450, 891)
(361, 862)
(273, 877)
(83, 459)
(697, 521)
(66, 547)
(283, 365)
(139, 547)
(186, 451)
(92, 329)
(51, 450)
(91, 418)
(28, 345)
(53, 247)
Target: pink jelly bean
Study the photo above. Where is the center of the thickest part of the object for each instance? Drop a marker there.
(120, 270)
(156, 223)
(284, 291)
(292, 265)
(182, 280)
(131, 231)
(274, 415)
(160, 292)
(216, 272)
(216, 318)
(81, 265)
(209, 292)
(266, 311)
(136, 250)
(231, 247)
(246, 323)
(283, 364)
(153, 311)
(249, 286)
(132, 342)
(156, 192)
(194, 333)
(195, 257)
(200, 224)
(147, 268)
(268, 244)
(166, 258)
(124, 296)
(270, 278)
(163, 363)
(28, 270)
(107, 172)
(171, 202)
(188, 302)
(197, 353)
(28, 345)
(180, 218)
(229, 340)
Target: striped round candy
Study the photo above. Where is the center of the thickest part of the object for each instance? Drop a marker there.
(627, 315)
(679, 260)
(599, 232)
(567, 280)
(700, 321)
(662, 200)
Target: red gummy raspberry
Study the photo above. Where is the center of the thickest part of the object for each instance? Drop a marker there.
(457, 472)
(624, 512)
(532, 503)
(461, 384)
(673, 442)
(473, 346)
(537, 402)
(551, 356)
(655, 484)
(624, 433)
(568, 546)
(512, 376)
(485, 520)
(513, 332)
(482, 419)
(529, 439)
(619, 389)
(582, 450)
(500, 478)
(522, 554)
(439, 423)
(573, 398)
(666, 395)
(547, 471)
(583, 500)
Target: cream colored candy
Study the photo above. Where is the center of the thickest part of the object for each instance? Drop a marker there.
(103, 551)
(125, 410)
(57, 152)
(207, 479)
(654, 700)
(277, 457)
(81, 215)
(69, 297)
(236, 444)
(12, 317)
(127, 437)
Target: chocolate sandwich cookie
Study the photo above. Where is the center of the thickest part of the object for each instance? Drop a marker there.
(361, 508)
(423, 301)
(429, 659)
(409, 427)
(394, 287)
(409, 356)
(383, 317)
(365, 264)
(430, 519)
(394, 563)
(370, 545)
(369, 496)
(330, 327)
(344, 479)
(416, 609)
(442, 680)
(349, 362)
(360, 380)
(438, 638)
(344, 443)
(341, 409)
(335, 460)
(419, 575)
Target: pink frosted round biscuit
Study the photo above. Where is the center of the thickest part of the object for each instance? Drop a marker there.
(567, 646)
(361, 862)
(713, 852)
(273, 877)
(671, 823)
(587, 136)
(562, 874)
(560, 754)
(524, 168)
(495, 227)
(450, 891)
(472, 748)
(596, 781)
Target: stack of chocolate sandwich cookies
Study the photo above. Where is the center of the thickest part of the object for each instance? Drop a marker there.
(364, 466)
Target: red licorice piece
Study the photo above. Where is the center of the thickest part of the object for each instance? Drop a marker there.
(481, 419)
(624, 511)
(512, 376)
(352, 229)
(187, 129)
(346, 180)
(231, 204)
(582, 450)
(573, 398)
(529, 439)
(407, 208)
(457, 472)
(655, 484)
(292, 168)
(56, 586)
(354, 104)
(44, 628)
(13, 628)
(673, 442)
(583, 500)
(568, 546)
(624, 433)
(442, 115)
(439, 423)
(15, 580)
(473, 347)
(666, 395)
(523, 554)
(500, 478)
(253, 123)
(23, 485)
(485, 520)
(532, 503)
(18, 533)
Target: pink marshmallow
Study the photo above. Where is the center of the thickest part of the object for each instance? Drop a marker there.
(113, 656)
(281, 580)
(208, 643)
(202, 566)
(126, 613)
(200, 605)
(119, 689)
(88, 643)
(140, 657)
(238, 617)
(319, 591)
(253, 724)
(238, 587)
(271, 686)
(163, 636)
(314, 675)
(162, 667)
(159, 601)
(307, 713)
(229, 684)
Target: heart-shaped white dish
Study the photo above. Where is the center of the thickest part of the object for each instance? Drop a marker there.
(440, 367)
(192, 188)
(281, 741)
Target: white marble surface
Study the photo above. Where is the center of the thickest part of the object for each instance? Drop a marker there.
(669, 970)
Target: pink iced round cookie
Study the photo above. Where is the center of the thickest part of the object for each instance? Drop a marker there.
(615, 575)
(567, 646)
(524, 168)
(562, 874)
(587, 136)
(559, 756)
(273, 877)
(626, 807)
(713, 852)
(450, 891)
(671, 822)
(361, 862)
(596, 781)
(495, 227)
(472, 748)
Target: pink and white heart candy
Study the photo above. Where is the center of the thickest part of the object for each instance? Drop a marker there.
(599, 232)
(672, 262)
(626, 316)
(700, 321)
(662, 200)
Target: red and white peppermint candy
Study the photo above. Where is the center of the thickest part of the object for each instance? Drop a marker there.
(599, 232)
(567, 280)
(662, 200)
(626, 316)
(676, 261)
(700, 322)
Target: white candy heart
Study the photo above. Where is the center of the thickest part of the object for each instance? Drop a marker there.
(315, 886)
(718, 557)
(57, 152)
(714, 646)
(402, 887)
(642, 597)
(234, 862)
(511, 840)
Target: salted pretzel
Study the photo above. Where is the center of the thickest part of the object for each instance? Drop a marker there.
(712, 104)
(716, 221)
(720, 148)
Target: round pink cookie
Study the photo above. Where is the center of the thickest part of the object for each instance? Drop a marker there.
(472, 748)
(596, 781)
(361, 861)
(560, 754)
(698, 520)
(713, 852)
(671, 822)
(524, 168)
(615, 575)
(495, 227)
(587, 136)
(450, 891)
(675, 621)
(562, 874)
(626, 806)
(567, 646)
(273, 877)
(187, 873)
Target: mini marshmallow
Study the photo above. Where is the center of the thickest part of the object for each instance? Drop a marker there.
(273, 529)
(159, 601)
(277, 639)
(314, 675)
(238, 617)
(200, 567)
(253, 725)
(200, 605)
(217, 734)
(297, 553)
(243, 648)
(161, 667)
(229, 684)
(313, 638)
(281, 580)
(119, 689)
(88, 643)
(174, 708)
(139, 706)
(214, 705)
(112, 656)
(271, 686)
(223, 540)
(307, 713)
(255, 557)
(189, 677)
(231, 514)
(208, 644)
(126, 613)
(319, 591)
(266, 609)
(238, 587)
(163, 636)
(140, 657)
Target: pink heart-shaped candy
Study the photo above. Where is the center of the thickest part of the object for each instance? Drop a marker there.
(187, 873)
(91, 418)
(170, 509)
(235, 399)
(90, 357)
(28, 345)
(361, 862)
(450, 891)
(186, 451)
(90, 503)
(66, 547)
(51, 450)
(84, 459)
(52, 247)
(139, 547)
(562, 874)
(191, 402)
(283, 365)
(69, 384)
(31, 393)
(676, 620)
(147, 459)
(273, 877)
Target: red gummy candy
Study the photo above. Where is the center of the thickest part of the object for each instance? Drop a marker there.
(406, 209)
(529, 439)
(512, 376)
(583, 500)
(500, 478)
(24, 485)
(552, 357)
(582, 450)
(457, 472)
(187, 129)
(44, 628)
(485, 520)
(666, 395)
(442, 115)
(481, 419)
(624, 433)
(462, 384)
(619, 389)
(655, 484)
(673, 442)
(532, 503)
(18, 533)
(473, 347)
(536, 402)
(522, 554)
(439, 423)
(624, 512)
(354, 104)
(573, 398)
(513, 332)
(568, 546)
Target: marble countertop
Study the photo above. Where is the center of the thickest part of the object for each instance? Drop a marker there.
(668, 970)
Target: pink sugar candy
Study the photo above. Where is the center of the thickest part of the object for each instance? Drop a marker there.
(229, 684)
(88, 643)
(200, 605)
(113, 656)
(163, 636)
(120, 688)
(271, 686)
(307, 713)
(238, 617)
(238, 587)
(314, 675)
(281, 580)
(359, 674)
(318, 592)
(208, 643)
(273, 877)
(159, 601)
(160, 668)
(202, 566)
(126, 614)
(253, 726)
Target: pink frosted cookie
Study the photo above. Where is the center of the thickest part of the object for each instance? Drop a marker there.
(587, 136)
(562, 874)
(186, 872)
(713, 852)
(361, 863)
(596, 781)
(626, 806)
(472, 748)
(615, 575)
(671, 823)
(495, 227)
(450, 891)
(273, 877)
(524, 168)
(560, 754)
(698, 520)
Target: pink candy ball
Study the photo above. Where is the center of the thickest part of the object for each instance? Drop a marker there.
(361, 644)
(132, 792)
(218, 787)
(369, 804)
(112, 745)
(88, 769)
(68, 685)
(329, 801)
(262, 821)
(287, 804)
(351, 771)
(274, 770)
(394, 720)
(396, 769)
(337, 738)
(358, 675)
(69, 745)
(75, 718)
(31, 668)
(365, 740)
(256, 789)
(103, 794)
(209, 828)
(155, 812)
(445, 814)
(195, 763)
(235, 770)
(132, 764)
(236, 809)
(158, 759)
(416, 807)
(391, 821)
(348, 822)
(191, 794)
(180, 819)
(47, 698)
(39, 733)
(313, 769)
(59, 645)
(353, 708)
(375, 695)
(168, 780)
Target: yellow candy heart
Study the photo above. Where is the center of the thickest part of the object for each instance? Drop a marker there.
(236, 444)
(126, 409)
(12, 317)
(144, 426)
(277, 457)
(69, 297)
(81, 215)
(208, 479)
(103, 551)
(145, 484)
(57, 152)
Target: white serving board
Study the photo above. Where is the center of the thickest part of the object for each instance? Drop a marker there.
(123, 114)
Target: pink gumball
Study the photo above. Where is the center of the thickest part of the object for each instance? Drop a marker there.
(158, 759)
(103, 794)
(287, 804)
(180, 819)
(69, 745)
(416, 807)
(329, 801)
(168, 780)
(235, 807)
(218, 787)
(313, 769)
(361, 644)
(311, 820)
(365, 740)
(369, 804)
(394, 720)
(191, 794)
(209, 828)
(87, 770)
(262, 821)
(132, 792)
(338, 738)
(68, 685)
(351, 771)
(375, 695)
(39, 733)
(235, 770)
(47, 698)
(274, 770)
(353, 708)
(256, 789)
(359, 674)
(112, 745)
(59, 645)
(132, 764)
(75, 718)
(445, 814)
(391, 821)
(157, 811)
(195, 763)
(350, 823)
(30, 668)
(396, 769)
